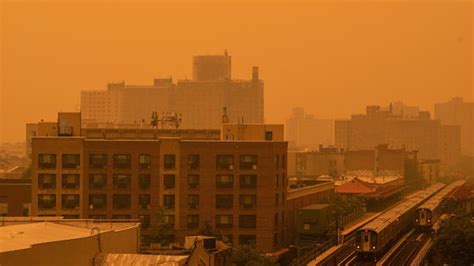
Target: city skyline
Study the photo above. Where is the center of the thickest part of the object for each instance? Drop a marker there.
(48, 42)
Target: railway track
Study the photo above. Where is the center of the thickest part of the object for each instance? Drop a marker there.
(339, 257)
(407, 251)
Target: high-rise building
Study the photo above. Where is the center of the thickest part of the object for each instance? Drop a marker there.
(421, 133)
(234, 185)
(306, 131)
(198, 102)
(459, 113)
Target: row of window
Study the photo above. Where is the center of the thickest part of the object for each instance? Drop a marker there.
(123, 181)
(123, 201)
(225, 221)
(124, 161)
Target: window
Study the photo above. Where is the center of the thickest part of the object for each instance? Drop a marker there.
(283, 219)
(144, 181)
(276, 200)
(70, 202)
(268, 135)
(46, 181)
(144, 201)
(248, 181)
(224, 201)
(145, 221)
(122, 181)
(248, 162)
(276, 181)
(248, 201)
(46, 201)
(193, 181)
(97, 181)
(144, 161)
(97, 201)
(169, 181)
(193, 221)
(122, 201)
(283, 161)
(224, 181)
(70, 181)
(247, 240)
(122, 161)
(283, 199)
(169, 161)
(224, 162)
(26, 209)
(224, 221)
(276, 220)
(248, 221)
(168, 201)
(193, 201)
(193, 162)
(169, 219)
(70, 216)
(47, 161)
(71, 161)
(277, 161)
(98, 161)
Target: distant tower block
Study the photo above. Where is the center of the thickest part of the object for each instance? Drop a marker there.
(225, 118)
(255, 73)
(211, 67)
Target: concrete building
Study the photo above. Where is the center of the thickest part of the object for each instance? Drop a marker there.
(51, 243)
(122, 176)
(312, 164)
(306, 131)
(430, 170)
(15, 197)
(459, 113)
(198, 102)
(431, 139)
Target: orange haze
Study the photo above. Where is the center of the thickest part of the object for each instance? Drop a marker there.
(332, 57)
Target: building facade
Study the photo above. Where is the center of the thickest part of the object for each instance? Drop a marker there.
(306, 131)
(459, 113)
(198, 102)
(234, 185)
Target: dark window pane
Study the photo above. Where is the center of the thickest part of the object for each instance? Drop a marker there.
(70, 181)
(46, 181)
(248, 162)
(47, 161)
(145, 221)
(247, 240)
(144, 181)
(193, 161)
(224, 181)
(70, 202)
(144, 161)
(193, 181)
(169, 161)
(224, 201)
(248, 181)
(193, 201)
(224, 162)
(193, 221)
(168, 201)
(144, 201)
(122, 181)
(97, 181)
(121, 216)
(248, 201)
(98, 161)
(224, 221)
(268, 135)
(71, 161)
(46, 201)
(248, 221)
(122, 201)
(122, 161)
(169, 181)
(97, 201)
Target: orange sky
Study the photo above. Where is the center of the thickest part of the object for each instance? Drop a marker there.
(332, 57)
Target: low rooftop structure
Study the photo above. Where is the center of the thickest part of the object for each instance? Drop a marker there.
(63, 242)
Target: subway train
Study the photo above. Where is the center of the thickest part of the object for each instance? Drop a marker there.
(373, 238)
(428, 213)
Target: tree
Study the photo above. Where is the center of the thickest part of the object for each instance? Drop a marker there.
(161, 230)
(249, 256)
(207, 230)
(455, 243)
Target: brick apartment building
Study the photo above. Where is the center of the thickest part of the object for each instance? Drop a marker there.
(238, 186)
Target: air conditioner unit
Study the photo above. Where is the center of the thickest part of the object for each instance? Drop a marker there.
(231, 167)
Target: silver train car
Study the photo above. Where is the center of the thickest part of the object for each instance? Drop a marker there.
(428, 213)
(373, 238)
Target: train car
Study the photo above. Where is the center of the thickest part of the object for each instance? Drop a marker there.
(428, 213)
(376, 236)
